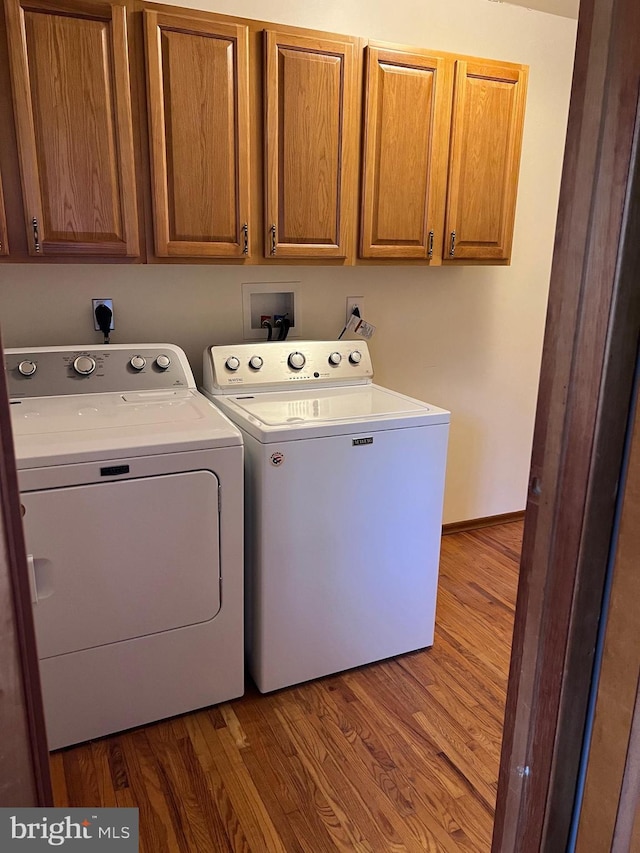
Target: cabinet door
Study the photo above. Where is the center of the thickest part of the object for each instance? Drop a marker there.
(72, 106)
(197, 78)
(488, 115)
(311, 146)
(4, 244)
(405, 154)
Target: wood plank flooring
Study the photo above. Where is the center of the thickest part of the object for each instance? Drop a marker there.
(397, 756)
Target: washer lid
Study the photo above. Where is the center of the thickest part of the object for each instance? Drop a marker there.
(86, 427)
(286, 415)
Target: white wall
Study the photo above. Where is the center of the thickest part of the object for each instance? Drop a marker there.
(468, 339)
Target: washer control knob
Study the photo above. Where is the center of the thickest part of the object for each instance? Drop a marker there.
(335, 358)
(232, 363)
(84, 365)
(355, 357)
(163, 362)
(256, 362)
(27, 368)
(138, 362)
(297, 360)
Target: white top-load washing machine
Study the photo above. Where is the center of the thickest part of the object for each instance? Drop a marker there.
(131, 491)
(344, 485)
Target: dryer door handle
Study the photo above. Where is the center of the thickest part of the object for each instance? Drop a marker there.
(31, 569)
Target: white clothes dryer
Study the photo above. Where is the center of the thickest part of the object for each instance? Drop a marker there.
(344, 488)
(131, 490)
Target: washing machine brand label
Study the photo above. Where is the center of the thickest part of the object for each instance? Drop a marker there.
(358, 441)
(277, 458)
(74, 829)
(114, 470)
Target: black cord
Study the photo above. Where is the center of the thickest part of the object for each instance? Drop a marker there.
(355, 311)
(285, 325)
(267, 325)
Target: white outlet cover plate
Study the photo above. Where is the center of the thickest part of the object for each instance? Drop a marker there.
(108, 303)
(352, 301)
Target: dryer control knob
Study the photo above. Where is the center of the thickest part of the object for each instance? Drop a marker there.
(297, 360)
(163, 362)
(27, 368)
(256, 362)
(138, 362)
(232, 363)
(355, 357)
(335, 358)
(84, 365)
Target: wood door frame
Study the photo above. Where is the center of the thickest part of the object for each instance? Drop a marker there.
(603, 810)
(589, 359)
(627, 825)
(4, 242)
(27, 744)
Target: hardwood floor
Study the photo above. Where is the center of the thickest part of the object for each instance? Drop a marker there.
(397, 756)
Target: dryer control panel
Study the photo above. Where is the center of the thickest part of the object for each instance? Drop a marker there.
(58, 371)
(286, 364)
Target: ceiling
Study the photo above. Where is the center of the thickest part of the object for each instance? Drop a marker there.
(565, 8)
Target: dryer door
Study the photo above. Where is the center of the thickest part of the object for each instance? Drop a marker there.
(117, 560)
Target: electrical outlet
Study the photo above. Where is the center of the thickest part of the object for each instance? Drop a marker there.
(109, 304)
(355, 302)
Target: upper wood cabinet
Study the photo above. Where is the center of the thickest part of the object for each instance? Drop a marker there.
(311, 140)
(72, 107)
(4, 242)
(486, 138)
(410, 133)
(198, 106)
(406, 142)
(441, 140)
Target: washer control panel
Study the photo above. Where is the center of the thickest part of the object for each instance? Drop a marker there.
(57, 371)
(285, 364)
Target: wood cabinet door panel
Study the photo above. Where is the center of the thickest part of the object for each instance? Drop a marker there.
(311, 135)
(406, 138)
(488, 114)
(72, 106)
(197, 77)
